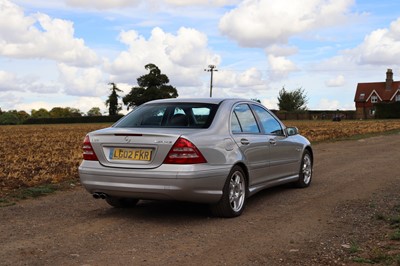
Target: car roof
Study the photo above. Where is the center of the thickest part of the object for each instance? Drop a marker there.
(197, 100)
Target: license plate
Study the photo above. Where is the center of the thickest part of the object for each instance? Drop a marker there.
(130, 154)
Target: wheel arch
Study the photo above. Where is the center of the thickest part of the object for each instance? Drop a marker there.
(246, 173)
(309, 149)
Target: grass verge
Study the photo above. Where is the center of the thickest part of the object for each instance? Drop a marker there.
(387, 252)
(16, 195)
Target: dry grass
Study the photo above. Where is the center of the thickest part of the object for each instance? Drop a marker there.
(326, 130)
(32, 155)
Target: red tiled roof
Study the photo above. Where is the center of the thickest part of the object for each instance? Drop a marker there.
(379, 88)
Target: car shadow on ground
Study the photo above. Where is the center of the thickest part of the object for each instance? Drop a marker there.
(175, 210)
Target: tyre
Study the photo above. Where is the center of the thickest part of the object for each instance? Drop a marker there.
(306, 170)
(234, 195)
(121, 202)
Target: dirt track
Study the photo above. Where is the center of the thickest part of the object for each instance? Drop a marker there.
(353, 180)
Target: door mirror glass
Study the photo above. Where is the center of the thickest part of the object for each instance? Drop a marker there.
(291, 131)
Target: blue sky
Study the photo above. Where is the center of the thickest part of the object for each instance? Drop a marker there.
(63, 53)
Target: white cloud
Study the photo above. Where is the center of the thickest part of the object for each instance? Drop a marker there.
(329, 104)
(115, 4)
(336, 82)
(270, 103)
(39, 36)
(201, 2)
(103, 4)
(260, 23)
(247, 84)
(182, 47)
(225, 78)
(84, 104)
(82, 82)
(380, 47)
(182, 57)
(28, 107)
(325, 104)
(281, 50)
(280, 67)
(250, 78)
(9, 82)
(9, 101)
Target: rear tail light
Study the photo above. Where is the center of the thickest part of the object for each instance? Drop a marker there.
(88, 152)
(184, 152)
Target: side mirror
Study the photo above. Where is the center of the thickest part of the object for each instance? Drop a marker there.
(291, 131)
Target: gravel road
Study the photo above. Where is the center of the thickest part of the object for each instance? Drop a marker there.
(353, 180)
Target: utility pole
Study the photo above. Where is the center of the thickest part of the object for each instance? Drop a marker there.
(211, 68)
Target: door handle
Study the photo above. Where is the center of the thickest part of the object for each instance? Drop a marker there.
(272, 141)
(245, 141)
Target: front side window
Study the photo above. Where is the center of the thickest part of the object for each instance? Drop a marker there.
(243, 120)
(374, 99)
(397, 98)
(269, 123)
(160, 115)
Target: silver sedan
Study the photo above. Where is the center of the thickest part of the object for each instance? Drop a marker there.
(214, 151)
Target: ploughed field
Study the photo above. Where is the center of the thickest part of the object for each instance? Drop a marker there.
(33, 155)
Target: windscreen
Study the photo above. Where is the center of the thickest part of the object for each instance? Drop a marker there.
(179, 115)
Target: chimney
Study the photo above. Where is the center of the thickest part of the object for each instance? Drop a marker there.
(389, 79)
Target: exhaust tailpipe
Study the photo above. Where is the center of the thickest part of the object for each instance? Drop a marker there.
(100, 195)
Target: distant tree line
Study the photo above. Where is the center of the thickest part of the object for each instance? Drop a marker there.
(153, 85)
(14, 117)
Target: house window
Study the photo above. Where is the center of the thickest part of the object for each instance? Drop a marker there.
(374, 99)
(397, 98)
(362, 96)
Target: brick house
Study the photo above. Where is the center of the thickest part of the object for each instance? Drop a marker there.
(367, 94)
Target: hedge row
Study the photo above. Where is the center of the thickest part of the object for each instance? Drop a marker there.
(315, 114)
(387, 110)
(71, 120)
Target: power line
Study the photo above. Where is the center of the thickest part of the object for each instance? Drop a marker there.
(211, 68)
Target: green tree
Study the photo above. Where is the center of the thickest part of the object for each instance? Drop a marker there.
(9, 118)
(152, 86)
(94, 111)
(64, 112)
(41, 113)
(22, 116)
(58, 112)
(291, 101)
(112, 101)
(73, 112)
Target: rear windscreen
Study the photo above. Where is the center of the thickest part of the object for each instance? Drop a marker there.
(158, 115)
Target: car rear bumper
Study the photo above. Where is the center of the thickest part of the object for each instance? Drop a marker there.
(194, 183)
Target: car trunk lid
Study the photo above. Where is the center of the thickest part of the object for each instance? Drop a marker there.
(130, 148)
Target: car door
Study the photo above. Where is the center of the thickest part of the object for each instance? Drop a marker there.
(252, 143)
(284, 154)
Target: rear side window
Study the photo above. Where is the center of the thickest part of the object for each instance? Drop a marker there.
(243, 121)
(161, 115)
(268, 122)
